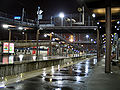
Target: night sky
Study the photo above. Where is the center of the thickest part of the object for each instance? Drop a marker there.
(50, 7)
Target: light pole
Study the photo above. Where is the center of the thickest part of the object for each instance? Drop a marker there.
(5, 26)
(61, 15)
(87, 36)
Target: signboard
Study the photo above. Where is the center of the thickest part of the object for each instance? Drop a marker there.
(5, 47)
(11, 59)
(8, 47)
(5, 59)
(17, 17)
(11, 48)
(39, 16)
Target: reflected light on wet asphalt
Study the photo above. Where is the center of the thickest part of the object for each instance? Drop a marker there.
(21, 57)
(2, 84)
(34, 58)
(71, 77)
(78, 78)
(94, 61)
(58, 89)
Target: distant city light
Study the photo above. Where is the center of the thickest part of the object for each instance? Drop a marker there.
(98, 23)
(81, 45)
(87, 36)
(94, 41)
(53, 39)
(93, 15)
(23, 33)
(118, 22)
(45, 35)
(115, 26)
(102, 35)
(118, 29)
(71, 40)
(52, 33)
(91, 40)
(112, 35)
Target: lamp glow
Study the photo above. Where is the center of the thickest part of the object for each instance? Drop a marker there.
(5, 26)
(61, 15)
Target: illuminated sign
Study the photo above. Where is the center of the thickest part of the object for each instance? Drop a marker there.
(17, 17)
(11, 59)
(11, 48)
(5, 59)
(8, 47)
(5, 47)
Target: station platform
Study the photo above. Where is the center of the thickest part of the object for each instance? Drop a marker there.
(99, 80)
(95, 77)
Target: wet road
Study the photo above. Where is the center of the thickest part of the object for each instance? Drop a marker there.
(73, 77)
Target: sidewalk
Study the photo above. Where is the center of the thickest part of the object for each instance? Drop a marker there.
(99, 80)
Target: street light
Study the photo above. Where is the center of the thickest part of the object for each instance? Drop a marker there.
(61, 15)
(87, 36)
(20, 28)
(5, 26)
(93, 15)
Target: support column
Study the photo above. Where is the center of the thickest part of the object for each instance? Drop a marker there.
(117, 50)
(9, 35)
(108, 40)
(37, 38)
(26, 37)
(9, 41)
(50, 45)
(98, 45)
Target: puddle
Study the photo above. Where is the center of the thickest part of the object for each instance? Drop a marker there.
(34, 79)
(83, 63)
(82, 74)
(39, 77)
(10, 87)
(68, 78)
(63, 88)
(51, 79)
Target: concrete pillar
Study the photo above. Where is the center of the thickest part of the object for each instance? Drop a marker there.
(88, 20)
(98, 45)
(26, 37)
(50, 45)
(117, 50)
(108, 40)
(9, 35)
(37, 38)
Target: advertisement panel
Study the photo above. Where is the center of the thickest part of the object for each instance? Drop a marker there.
(5, 59)
(11, 48)
(11, 59)
(8, 47)
(5, 47)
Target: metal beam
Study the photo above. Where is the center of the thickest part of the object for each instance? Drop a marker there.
(70, 27)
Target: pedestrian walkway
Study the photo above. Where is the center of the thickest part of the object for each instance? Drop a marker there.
(99, 80)
(95, 79)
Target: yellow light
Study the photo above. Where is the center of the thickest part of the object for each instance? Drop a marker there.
(102, 10)
(105, 20)
(71, 38)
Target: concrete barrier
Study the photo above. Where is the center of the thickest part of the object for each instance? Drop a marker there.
(21, 67)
